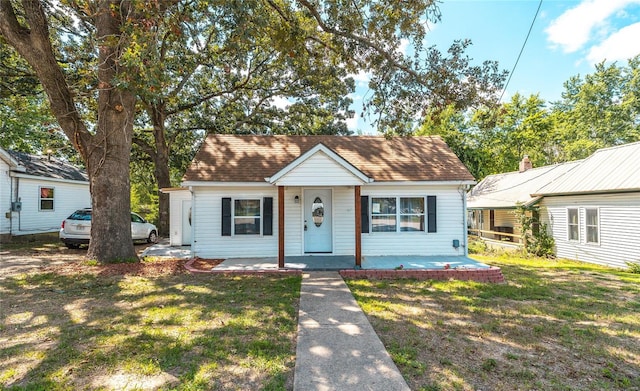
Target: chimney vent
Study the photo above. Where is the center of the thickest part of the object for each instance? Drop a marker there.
(525, 164)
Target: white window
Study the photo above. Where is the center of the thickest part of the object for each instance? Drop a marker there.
(573, 226)
(246, 217)
(412, 214)
(46, 198)
(386, 216)
(591, 215)
(383, 214)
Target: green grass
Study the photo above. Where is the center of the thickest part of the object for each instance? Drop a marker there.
(555, 325)
(181, 332)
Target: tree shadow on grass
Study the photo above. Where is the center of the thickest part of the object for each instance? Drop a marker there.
(577, 330)
(126, 332)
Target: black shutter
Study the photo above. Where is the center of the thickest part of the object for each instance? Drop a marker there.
(431, 214)
(267, 216)
(364, 214)
(226, 217)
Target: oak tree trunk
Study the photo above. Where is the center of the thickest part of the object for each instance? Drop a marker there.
(106, 153)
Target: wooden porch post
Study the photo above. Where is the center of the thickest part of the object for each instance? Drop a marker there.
(280, 227)
(358, 217)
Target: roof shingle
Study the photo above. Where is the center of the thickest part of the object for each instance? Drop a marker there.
(44, 166)
(236, 158)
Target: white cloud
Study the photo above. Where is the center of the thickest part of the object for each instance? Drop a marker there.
(573, 29)
(404, 44)
(620, 45)
(352, 123)
(361, 77)
(280, 102)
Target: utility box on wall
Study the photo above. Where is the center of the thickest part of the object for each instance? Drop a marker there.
(16, 206)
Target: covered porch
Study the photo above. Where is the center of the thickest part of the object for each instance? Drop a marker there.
(346, 262)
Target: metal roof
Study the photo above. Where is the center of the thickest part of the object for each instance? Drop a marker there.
(608, 170)
(507, 190)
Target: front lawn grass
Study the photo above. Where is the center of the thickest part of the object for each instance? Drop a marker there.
(555, 325)
(177, 332)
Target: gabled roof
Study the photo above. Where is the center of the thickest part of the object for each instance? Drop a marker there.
(47, 167)
(608, 170)
(236, 158)
(500, 191)
(319, 148)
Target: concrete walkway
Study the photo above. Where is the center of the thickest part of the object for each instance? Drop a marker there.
(337, 347)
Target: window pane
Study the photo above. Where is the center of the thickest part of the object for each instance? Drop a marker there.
(247, 226)
(383, 223)
(46, 205)
(592, 217)
(247, 208)
(573, 232)
(412, 223)
(412, 205)
(573, 216)
(383, 205)
(592, 234)
(46, 192)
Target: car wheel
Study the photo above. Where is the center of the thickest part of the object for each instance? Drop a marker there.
(153, 237)
(72, 246)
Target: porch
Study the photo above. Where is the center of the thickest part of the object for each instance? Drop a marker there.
(347, 262)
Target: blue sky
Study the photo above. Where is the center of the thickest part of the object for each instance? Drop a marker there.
(567, 39)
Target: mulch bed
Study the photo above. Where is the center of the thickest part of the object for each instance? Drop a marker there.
(156, 268)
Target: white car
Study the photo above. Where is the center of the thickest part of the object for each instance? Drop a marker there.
(76, 229)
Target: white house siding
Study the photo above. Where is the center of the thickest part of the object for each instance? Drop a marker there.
(318, 170)
(68, 197)
(293, 232)
(5, 197)
(175, 215)
(619, 227)
(207, 224)
(450, 224)
(344, 224)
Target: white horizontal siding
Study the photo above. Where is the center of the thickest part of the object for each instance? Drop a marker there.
(293, 226)
(68, 197)
(450, 224)
(344, 223)
(619, 223)
(319, 170)
(5, 197)
(208, 241)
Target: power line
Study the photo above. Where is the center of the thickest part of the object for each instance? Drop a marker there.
(521, 50)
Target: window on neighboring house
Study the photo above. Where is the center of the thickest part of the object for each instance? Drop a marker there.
(592, 225)
(246, 217)
(46, 198)
(573, 226)
(401, 214)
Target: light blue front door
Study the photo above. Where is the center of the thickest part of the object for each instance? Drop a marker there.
(317, 221)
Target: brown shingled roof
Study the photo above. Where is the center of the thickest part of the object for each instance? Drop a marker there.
(235, 158)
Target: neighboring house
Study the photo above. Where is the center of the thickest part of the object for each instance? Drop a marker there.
(492, 203)
(591, 207)
(593, 211)
(38, 192)
(277, 196)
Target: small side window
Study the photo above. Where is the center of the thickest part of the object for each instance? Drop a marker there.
(573, 226)
(46, 198)
(591, 217)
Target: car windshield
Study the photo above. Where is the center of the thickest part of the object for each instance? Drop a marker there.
(81, 215)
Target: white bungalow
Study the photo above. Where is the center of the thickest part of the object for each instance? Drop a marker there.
(593, 210)
(277, 196)
(38, 192)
